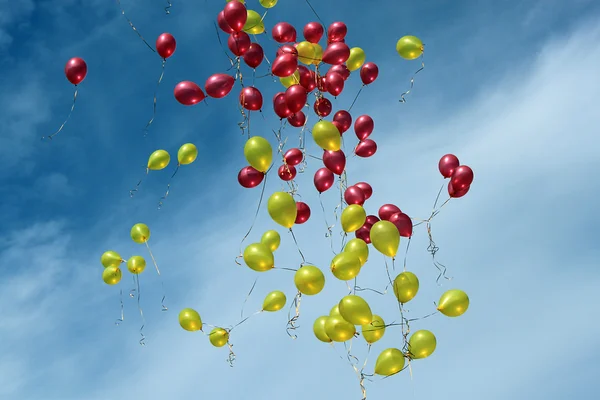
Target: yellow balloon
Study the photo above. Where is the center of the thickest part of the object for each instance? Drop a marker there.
(327, 136)
(389, 362)
(453, 303)
(190, 320)
(335, 311)
(357, 58)
(355, 310)
(254, 24)
(268, 3)
(258, 257)
(158, 160)
(258, 153)
(345, 266)
(306, 53)
(274, 301)
(111, 275)
(309, 280)
(385, 238)
(293, 79)
(140, 233)
(136, 264)
(218, 337)
(318, 54)
(374, 330)
(338, 329)
(353, 217)
(406, 286)
(358, 247)
(187, 154)
(409, 47)
(319, 329)
(282, 209)
(271, 239)
(421, 344)
(111, 259)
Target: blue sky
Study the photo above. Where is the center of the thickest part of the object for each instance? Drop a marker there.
(510, 87)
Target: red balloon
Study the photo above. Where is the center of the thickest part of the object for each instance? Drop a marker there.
(283, 32)
(287, 172)
(366, 188)
(344, 120)
(371, 219)
(297, 120)
(368, 73)
(462, 177)
(280, 106)
(364, 233)
(354, 195)
(287, 49)
(336, 53)
(188, 93)
(335, 161)
(340, 69)
(337, 31)
(249, 177)
(302, 212)
(293, 156)
(335, 83)
(313, 32)
(219, 85)
(403, 223)
(363, 127)
(448, 164)
(338, 126)
(323, 179)
(322, 107)
(251, 98)
(238, 42)
(76, 70)
(387, 210)
(165, 45)
(457, 193)
(254, 55)
(295, 97)
(307, 78)
(235, 14)
(284, 65)
(366, 148)
(223, 24)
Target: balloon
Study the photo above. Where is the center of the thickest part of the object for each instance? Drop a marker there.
(274, 301)
(368, 73)
(409, 47)
(235, 15)
(293, 156)
(323, 179)
(323, 108)
(188, 93)
(76, 70)
(457, 193)
(366, 148)
(313, 32)
(345, 266)
(295, 98)
(403, 223)
(363, 127)
(326, 136)
(239, 43)
(385, 238)
(306, 52)
(283, 32)
(140, 233)
(254, 55)
(284, 65)
(268, 3)
(219, 85)
(336, 53)
(282, 209)
(307, 78)
(406, 286)
(462, 177)
(319, 329)
(335, 83)
(190, 320)
(158, 160)
(271, 239)
(111, 259)
(259, 257)
(338, 329)
(344, 119)
(356, 59)
(335, 161)
(136, 264)
(453, 303)
(354, 195)
(111, 275)
(371, 219)
(286, 172)
(358, 247)
(187, 154)
(448, 164)
(318, 54)
(280, 106)
(250, 177)
(223, 24)
(366, 188)
(335, 311)
(251, 98)
(353, 217)
(364, 233)
(387, 210)
(337, 31)
(374, 330)
(165, 45)
(288, 81)
(241, 1)
(309, 280)
(340, 69)
(303, 212)
(218, 337)
(389, 362)
(287, 49)
(297, 120)
(421, 344)
(258, 153)
(355, 310)
(254, 23)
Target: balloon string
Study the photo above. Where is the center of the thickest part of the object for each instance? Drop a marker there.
(298, 247)
(162, 74)
(291, 325)
(231, 356)
(168, 8)
(318, 17)
(406, 252)
(118, 322)
(133, 27)
(262, 195)
(136, 278)
(412, 80)
(162, 301)
(329, 233)
(135, 189)
(356, 97)
(221, 44)
(160, 202)
(247, 297)
(353, 360)
(68, 116)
